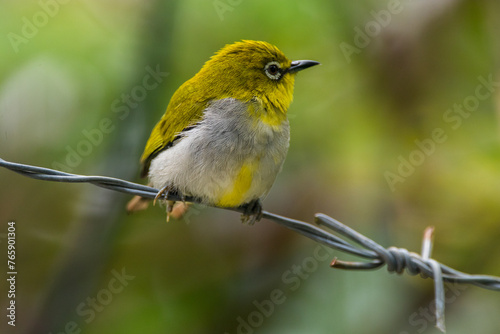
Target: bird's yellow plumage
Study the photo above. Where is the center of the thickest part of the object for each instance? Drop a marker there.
(224, 135)
(242, 183)
(186, 108)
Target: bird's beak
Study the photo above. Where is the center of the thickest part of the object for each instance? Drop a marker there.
(299, 65)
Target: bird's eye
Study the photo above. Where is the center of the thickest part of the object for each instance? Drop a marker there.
(273, 70)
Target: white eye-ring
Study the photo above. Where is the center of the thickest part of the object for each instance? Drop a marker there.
(273, 70)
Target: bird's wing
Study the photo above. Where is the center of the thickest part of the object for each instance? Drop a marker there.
(183, 111)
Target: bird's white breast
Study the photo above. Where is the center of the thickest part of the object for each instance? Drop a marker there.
(228, 159)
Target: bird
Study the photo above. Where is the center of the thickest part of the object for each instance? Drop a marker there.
(225, 133)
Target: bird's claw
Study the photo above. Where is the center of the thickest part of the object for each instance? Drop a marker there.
(252, 212)
(162, 193)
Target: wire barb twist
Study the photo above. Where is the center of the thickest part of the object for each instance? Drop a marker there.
(397, 259)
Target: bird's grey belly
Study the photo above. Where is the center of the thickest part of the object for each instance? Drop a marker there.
(220, 151)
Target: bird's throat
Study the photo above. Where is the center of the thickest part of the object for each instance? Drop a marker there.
(266, 113)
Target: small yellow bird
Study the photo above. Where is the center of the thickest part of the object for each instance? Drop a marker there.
(225, 133)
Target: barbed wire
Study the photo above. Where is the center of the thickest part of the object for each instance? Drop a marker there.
(397, 259)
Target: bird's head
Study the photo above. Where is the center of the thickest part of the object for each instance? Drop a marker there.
(249, 70)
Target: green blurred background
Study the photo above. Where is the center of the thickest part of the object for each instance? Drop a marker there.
(393, 73)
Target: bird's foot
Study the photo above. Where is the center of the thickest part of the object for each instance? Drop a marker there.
(163, 194)
(252, 212)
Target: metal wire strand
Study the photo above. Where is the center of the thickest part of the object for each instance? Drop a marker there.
(347, 240)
